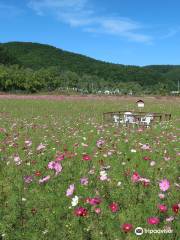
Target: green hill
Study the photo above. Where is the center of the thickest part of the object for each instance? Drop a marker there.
(82, 71)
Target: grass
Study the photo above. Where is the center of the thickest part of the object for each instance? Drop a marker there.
(43, 211)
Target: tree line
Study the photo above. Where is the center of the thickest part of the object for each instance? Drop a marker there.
(29, 67)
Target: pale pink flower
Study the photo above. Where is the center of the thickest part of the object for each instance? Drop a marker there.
(84, 181)
(28, 143)
(97, 210)
(140, 130)
(51, 165)
(103, 175)
(144, 180)
(70, 190)
(28, 179)
(103, 178)
(145, 147)
(161, 196)
(17, 160)
(58, 168)
(41, 147)
(170, 219)
(84, 144)
(45, 179)
(167, 158)
(99, 143)
(164, 185)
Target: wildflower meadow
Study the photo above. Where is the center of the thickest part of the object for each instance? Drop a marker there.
(65, 174)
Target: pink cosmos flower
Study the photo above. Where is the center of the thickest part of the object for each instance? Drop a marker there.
(135, 177)
(97, 210)
(145, 147)
(114, 207)
(17, 160)
(45, 179)
(86, 157)
(28, 143)
(99, 143)
(40, 147)
(103, 176)
(2, 130)
(60, 157)
(170, 219)
(93, 201)
(81, 212)
(58, 168)
(144, 180)
(161, 196)
(55, 166)
(28, 179)
(51, 165)
(153, 220)
(84, 181)
(140, 130)
(70, 190)
(167, 158)
(162, 208)
(127, 227)
(164, 185)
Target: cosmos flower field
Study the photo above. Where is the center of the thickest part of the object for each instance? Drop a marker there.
(65, 174)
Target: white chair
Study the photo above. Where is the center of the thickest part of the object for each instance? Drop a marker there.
(147, 119)
(129, 118)
(117, 119)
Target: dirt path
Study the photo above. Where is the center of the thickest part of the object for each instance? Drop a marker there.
(88, 97)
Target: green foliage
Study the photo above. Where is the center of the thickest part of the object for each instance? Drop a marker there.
(43, 67)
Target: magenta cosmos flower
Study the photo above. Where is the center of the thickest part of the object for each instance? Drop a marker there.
(81, 212)
(86, 157)
(127, 227)
(175, 208)
(164, 185)
(153, 220)
(162, 208)
(114, 207)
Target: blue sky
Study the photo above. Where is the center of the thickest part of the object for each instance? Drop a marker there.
(134, 32)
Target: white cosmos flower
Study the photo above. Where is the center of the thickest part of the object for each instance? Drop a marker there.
(133, 150)
(119, 184)
(75, 201)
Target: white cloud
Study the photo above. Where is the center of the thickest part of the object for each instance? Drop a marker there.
(78, 13)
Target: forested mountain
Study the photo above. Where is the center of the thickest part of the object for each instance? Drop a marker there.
(34, 67)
